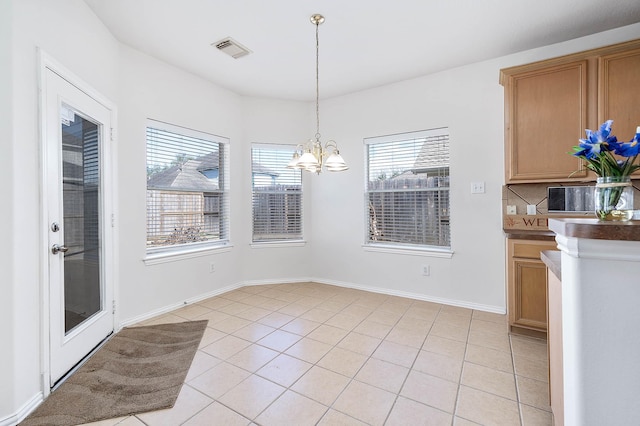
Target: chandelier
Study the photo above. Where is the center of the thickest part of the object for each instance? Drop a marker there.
(311, 157)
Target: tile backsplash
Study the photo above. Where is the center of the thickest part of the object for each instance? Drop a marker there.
(523, 194)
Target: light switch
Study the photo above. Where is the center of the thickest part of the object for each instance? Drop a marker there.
(477, 187)
(531, 209)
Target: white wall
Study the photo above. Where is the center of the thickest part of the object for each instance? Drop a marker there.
(71, 33)
(7, 330)
(149, 88)
(274, 122)
(468, 100)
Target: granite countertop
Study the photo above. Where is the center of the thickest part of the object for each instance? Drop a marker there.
(552, 259)
(596, 230)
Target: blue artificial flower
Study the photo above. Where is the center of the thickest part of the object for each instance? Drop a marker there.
(598, 150)
(629, 149)
(597, 142)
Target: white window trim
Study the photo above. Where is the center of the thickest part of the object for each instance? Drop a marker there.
(175, 253)
(278, 244)
(425, 251)
(397, 248)
(157, 255)
(300, 242)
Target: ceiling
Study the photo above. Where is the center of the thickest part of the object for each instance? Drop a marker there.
(363, 43)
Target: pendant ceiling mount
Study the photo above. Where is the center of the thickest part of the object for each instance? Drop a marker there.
(317, 19)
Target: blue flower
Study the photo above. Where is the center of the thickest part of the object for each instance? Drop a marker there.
(597, 142)
(629, 149)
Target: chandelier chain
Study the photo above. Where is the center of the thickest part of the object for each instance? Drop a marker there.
(311, 157)
(317, 82)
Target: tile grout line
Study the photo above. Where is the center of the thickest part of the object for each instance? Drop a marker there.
(464, 357)
(327, 297)
(411, 368)
(515, 380)
(329, 407)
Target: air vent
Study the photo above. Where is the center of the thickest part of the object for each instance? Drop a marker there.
(231, 48)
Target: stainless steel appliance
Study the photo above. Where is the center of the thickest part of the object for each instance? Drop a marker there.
(570, 199)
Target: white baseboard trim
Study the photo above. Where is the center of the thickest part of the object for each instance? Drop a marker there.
(169, 308)
(24, 411)
(416, 296)
(390, 292)
(277, 281)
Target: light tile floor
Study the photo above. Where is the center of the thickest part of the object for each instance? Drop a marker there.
(315, 354)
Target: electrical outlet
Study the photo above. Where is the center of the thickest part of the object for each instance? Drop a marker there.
(212, 268)
(426, 270)
(477, 187)
(511, 210)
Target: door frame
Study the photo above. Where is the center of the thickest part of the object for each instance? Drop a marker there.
(48, 64)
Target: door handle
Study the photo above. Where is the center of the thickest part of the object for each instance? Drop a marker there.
(55, 249)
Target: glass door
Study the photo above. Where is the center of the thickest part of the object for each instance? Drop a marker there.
(76, 199)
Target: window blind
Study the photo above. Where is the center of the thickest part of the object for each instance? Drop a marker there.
(187, 188)
(407, 189)
(276, 194)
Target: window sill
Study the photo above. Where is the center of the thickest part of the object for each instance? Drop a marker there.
(184, 253)
(278, 244)
(426, 252)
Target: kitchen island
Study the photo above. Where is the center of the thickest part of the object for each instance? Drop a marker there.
(600, 316)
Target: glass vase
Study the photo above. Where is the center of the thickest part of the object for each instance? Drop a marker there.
(614, 198)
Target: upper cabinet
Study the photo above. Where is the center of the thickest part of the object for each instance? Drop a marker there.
(549, 104)
(619, 92)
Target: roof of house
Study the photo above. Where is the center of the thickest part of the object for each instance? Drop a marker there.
(259, 169)
(187, 176)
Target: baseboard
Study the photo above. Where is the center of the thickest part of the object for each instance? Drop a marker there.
(390, 292)
(277, 281)
(169, 308)
(444, 301)
(24, 411)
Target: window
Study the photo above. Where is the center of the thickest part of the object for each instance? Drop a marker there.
(407, 190)
(187, 187)
(276, 194)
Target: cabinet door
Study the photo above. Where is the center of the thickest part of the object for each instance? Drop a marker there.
(545, 115)
(619, 100)
(527, 284)
(530, 292)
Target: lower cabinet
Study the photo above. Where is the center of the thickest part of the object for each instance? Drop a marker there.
(527, 286)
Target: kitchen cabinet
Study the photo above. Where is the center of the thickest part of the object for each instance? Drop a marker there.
(549, 104)
(619, 83)
(527, 286)
(545, 115)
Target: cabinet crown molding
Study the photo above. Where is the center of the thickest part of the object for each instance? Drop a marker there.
(592, 54)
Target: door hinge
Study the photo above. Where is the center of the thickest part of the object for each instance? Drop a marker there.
(112, 134)
(113, 305)
(113, 220)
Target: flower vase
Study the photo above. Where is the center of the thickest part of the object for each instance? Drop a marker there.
(614, 198)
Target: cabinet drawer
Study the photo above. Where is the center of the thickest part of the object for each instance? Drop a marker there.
(531, 249)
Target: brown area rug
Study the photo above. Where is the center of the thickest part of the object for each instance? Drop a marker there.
(139, 369)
